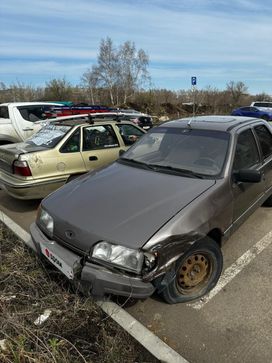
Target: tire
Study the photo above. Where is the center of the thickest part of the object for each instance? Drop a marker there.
(265, 117)
(268, 202)
(204, 262)
(72, 177)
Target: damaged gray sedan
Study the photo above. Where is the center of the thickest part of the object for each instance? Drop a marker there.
(155, 220)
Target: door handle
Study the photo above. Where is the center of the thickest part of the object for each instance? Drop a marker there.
(28, 129)
(92, 158)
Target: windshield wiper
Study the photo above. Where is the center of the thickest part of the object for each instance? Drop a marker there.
(136, 162)
(170, 168)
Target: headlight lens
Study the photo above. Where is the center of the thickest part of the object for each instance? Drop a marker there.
(47, 221)
(128, 259)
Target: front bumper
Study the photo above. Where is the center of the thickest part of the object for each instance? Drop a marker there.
(29, 189)
(92, 279)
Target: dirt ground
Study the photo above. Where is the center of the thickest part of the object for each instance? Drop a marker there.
(76, 330)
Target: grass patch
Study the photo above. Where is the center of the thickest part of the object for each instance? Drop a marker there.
(76, 331)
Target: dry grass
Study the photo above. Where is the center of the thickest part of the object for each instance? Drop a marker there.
(76, 331)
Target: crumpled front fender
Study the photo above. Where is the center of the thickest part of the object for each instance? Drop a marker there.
(169, 251)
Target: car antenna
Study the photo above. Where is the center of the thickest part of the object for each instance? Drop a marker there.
(118, 117)
(189, 122)
(90, 119)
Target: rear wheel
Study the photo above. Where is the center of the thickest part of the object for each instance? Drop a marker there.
(194, 274)
(268, 202)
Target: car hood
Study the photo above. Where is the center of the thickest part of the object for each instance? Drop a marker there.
(122, 204)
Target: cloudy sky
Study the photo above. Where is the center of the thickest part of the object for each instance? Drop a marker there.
(216, 40)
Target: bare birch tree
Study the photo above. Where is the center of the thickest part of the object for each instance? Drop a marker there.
(121, 70)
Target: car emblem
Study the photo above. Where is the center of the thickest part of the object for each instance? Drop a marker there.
(69, 234)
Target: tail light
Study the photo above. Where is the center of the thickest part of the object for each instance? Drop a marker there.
(21, 168)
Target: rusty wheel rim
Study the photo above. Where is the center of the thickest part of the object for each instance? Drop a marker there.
(194, 273)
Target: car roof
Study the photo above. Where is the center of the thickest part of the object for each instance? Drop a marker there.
(213, 122)
(93, 118)
(18, 104)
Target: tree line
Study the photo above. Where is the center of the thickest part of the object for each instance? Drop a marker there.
(120, 78)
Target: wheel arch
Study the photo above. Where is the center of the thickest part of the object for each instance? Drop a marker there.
(216, 235)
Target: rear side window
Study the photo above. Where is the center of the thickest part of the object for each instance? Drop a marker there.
(129, 133)
(4, 112)
(246, 154)
(265, 139)
(72, 145)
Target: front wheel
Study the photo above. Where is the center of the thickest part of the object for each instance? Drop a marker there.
(194, 274)
(268, 202)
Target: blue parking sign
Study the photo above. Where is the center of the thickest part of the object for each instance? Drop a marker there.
(193, 81)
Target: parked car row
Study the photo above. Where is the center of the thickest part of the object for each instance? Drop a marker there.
(61, 151)
(130, 218)
(154, 219)
(20, 120)
(250, 111)
(260, 109)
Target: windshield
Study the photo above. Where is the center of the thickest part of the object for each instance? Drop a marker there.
(49, 135)
(190, 151)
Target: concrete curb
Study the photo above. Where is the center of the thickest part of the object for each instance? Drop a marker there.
(145, 337)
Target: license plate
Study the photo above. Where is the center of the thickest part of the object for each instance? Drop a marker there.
(146, 127)
(58, 262)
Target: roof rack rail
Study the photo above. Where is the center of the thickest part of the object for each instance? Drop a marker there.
(241, 123)
(116, 116)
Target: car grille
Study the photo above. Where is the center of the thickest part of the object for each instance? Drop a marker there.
(70, 247)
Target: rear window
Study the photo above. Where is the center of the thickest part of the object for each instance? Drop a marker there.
(4, 112)
(145, 119)
(35, 112)
(263, 104)
(49, 136)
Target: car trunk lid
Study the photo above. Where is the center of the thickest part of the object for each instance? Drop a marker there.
(10, 153)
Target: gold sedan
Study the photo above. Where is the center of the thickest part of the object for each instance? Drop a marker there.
(61, 151)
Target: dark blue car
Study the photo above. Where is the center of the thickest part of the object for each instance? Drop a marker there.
(252, 112)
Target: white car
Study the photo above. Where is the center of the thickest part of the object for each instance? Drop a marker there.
(19, 120)
(262, 105)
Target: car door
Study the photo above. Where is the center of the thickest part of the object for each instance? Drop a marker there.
(100, 146)
(249, 111)
(264, 137)
(246, 196)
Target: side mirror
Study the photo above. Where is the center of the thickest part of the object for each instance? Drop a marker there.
(121, 152)
(248, 176)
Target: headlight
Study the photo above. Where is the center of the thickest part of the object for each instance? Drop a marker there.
(126, 258)
(46, 221)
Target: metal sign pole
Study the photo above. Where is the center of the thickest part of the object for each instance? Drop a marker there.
(193, 88)
(193, 82)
